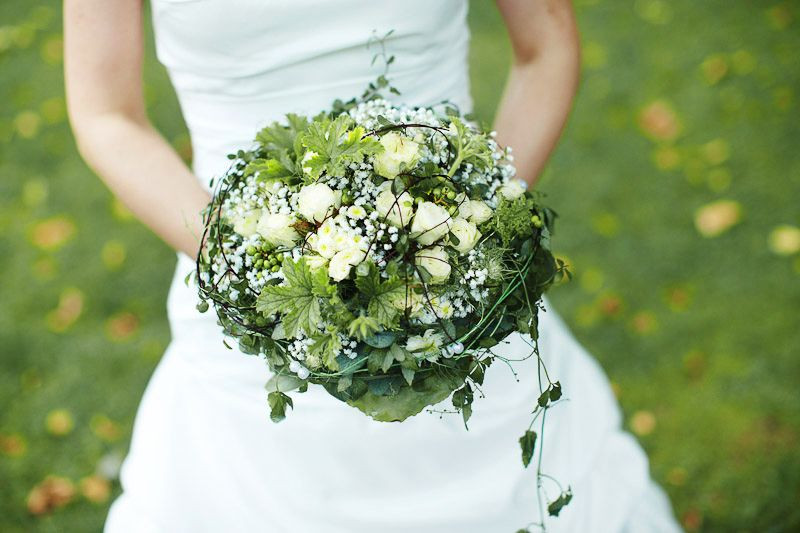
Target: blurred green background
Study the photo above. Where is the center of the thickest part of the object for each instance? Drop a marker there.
(678, 182)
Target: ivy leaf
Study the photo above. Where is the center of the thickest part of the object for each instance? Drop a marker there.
(277, 405)
(555, 391)
(380, 294)
(298, 301)
(562, 501)
(527, 443)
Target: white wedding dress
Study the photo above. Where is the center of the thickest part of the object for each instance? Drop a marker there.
(205, 456)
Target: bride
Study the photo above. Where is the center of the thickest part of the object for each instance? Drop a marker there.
(204, 455)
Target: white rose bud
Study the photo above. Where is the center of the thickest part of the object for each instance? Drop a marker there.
(436, 261)
(466, 233)
(431, 223)
(397, 150)
(246, 224)
(479, 212)
(341, 263)
(513, 189)
(395, 210)
(315, 201)
(277, 229)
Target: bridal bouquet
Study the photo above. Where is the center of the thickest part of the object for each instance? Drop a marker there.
(379, 251)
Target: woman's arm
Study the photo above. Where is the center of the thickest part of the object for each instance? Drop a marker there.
(542, 82)
(103, 51)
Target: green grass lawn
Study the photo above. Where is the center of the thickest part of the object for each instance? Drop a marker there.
(678, 185)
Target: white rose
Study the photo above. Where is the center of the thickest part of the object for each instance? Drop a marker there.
(396, 211)
(397, 150)
(427, 343)
(341, 263)
(246, 225)
(466, 233)
(512, 189)
(464, 206)
(436, 261)
(315, 201)
(479, 212)
(431, 223)
(277, 229)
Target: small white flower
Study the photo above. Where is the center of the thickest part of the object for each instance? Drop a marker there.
(315, 201)
(316, 262)
(431, 223)
(436, 261)
(356, 211)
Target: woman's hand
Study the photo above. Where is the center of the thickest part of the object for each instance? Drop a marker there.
(542, 82)
(103, 51)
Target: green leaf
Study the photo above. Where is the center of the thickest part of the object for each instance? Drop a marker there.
(408, 374)
(406, 401)
(277, 404)
(326, 346)
(283, 383)
(381, 339)
(362, 327)
(336, 145)
(277, 136)
(380, 294)
(298, 301)
(527, 442)
(562, 501)
(555, 391)
(271, 169)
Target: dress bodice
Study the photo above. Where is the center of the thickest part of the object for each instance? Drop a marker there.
(237, 65)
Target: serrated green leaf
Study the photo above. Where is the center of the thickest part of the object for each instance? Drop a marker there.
(299, 300)
(380, 294)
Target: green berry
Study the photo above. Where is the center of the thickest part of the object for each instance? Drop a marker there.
(251, 250)
(437, 191)
(259, 263)
(275, 268)
(451, 195)
(537, 221)
(418, 200)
